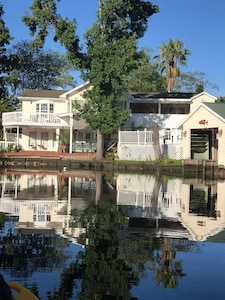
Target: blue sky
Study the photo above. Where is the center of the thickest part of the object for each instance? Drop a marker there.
(200, 24)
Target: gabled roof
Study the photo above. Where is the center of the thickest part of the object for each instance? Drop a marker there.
(205, 94)
(77, 89)
(32, 93)
(217, 109)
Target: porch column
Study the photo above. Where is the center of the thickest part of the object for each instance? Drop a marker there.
(5, 137)
(69, 202)
(17, 136)
(57, 138)
(159, 108)
(71, 134)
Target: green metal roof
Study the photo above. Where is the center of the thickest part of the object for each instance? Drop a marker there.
(218, 108)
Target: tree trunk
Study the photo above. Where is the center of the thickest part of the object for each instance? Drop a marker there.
(99, 150)
(156, 145)
(155, 194)
(99, 186)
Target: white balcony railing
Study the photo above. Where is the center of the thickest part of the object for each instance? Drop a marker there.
(32, 119)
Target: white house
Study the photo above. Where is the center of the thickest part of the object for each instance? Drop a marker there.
(204, 133)
(167, 110)
(46, 114)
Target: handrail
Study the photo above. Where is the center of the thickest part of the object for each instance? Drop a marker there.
(23, 118)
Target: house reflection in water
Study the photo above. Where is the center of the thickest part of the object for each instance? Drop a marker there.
(156, 206)
(46, 201)
(203, 208)
(175, 207)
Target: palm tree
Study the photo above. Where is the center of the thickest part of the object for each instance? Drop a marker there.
(169, 56)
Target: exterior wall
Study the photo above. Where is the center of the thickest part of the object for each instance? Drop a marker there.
(146, 152)
(193, 123)
(78, 96)
(49, 145)
(29, 106)
(136, 152)
(149, 120)
(202, 97)
(60, 106)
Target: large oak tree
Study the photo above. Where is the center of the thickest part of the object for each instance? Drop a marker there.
(38, 68)
(111, 51)
(112, 54)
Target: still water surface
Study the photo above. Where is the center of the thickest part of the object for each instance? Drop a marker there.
(87, 235)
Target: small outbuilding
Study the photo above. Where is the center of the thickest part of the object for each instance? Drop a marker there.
(204, 133)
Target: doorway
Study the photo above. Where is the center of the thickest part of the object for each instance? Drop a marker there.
(201, 141)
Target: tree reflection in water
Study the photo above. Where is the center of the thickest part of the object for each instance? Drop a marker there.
(114, 261)
(167, 271)
(24, 253)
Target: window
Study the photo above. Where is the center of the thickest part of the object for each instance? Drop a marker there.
(44, 107)
(13, 131)
(88, 137)
(144, 108)
(41, 218)
(51, 108)
(41, 210)
(16, 209)
(32, 138)
(175, 108)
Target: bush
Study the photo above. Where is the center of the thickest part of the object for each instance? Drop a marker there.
(10, 148)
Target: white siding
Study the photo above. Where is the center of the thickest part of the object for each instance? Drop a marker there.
(212, 122)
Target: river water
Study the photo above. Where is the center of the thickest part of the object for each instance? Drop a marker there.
(89, 235)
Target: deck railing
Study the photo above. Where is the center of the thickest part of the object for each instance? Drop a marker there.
(35, 119)
(145, 137)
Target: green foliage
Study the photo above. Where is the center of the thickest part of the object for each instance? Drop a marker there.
(221, 99)
(192, 82)
(110, 156)
(170, 55)
(6, 63)
(38, 69)
(45, 19)
(145, 77)
(119, 18)
(64, 136)
(5, 106)
(112, 53)
(10, 147)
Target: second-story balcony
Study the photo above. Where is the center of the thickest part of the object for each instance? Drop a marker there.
(33, 119)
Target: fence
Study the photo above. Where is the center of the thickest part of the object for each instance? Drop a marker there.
(136, 137)
(138, 145)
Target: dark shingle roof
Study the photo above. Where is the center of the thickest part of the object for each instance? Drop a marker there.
(43, 93)
(218, 108)
(163, 95)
